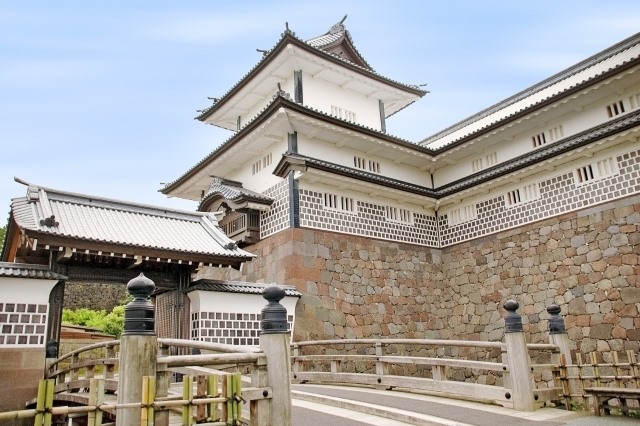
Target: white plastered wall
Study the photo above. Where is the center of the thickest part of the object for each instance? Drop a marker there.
(315, 148)
(321, 95)
(223, 302)
(24, 309)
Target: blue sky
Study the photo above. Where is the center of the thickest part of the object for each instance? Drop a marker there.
(99, 97)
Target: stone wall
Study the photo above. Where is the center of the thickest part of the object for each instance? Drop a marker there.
(21, 369)
(94, 295)
(587, 262)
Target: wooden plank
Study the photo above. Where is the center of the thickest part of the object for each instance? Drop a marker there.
(419, 342)
(259, 409)
(602, 395)
(391, 359)
(472, 391)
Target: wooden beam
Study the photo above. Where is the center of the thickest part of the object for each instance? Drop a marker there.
(137, 262)
(65, 256)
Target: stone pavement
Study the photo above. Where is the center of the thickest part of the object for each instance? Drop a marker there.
(320, 405)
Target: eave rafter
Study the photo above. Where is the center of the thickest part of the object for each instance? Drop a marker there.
(126, 257)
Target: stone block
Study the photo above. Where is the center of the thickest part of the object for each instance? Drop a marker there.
(601, 331)
(630, 295)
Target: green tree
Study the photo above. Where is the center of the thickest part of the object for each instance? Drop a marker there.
(110, 323)
(3, 230)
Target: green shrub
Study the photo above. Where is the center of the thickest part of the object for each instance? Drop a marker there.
(110, 323)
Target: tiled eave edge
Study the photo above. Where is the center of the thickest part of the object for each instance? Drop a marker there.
(273, 108)
(523, 112)
(287, 39)
(347, 40)
(562, 146)
(26, 270)
(238, 287)
(292, 161)
(239, 200)
(57, 243)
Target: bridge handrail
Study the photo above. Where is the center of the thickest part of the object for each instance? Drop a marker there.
(387, 342)
(236, 352)
(378, 374)
(215, 347)
(82, 364)
(417, 360)
(87, 348)
(543, 347)
(208, 359)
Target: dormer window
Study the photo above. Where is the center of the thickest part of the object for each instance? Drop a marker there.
(343, 114)
(261, 164)
(364, 164)
(615, 108)
(550, 135)
(462, 214)
(397, 215)
(594, 171)
(522, 195)
(338, 202)
(484, 162)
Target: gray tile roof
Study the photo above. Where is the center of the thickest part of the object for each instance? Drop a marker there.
(620, 124)
(360, 174)
(23, 270)
(238, 287)
(629, 121)
(274, 105)
(316, 47)
(583, 73)
(96, 219)
(333, 37)
(232, 190)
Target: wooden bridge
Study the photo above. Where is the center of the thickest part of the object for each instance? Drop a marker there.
(141, 379)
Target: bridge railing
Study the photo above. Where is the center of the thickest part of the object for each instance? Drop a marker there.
(497, 372)
(75, 369)
(141, 355)
(369, 362)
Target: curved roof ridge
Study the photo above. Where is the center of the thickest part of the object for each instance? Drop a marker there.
(357, 173)
(336, 34)
(308, 108)
(189, 233)
(104, 202)
(572, 71)
(233, 191)
(29, 270)
(292, 35)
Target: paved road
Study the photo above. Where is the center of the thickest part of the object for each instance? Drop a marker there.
(319, 405)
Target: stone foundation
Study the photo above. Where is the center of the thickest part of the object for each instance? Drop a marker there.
(21, 369)
(587, 262)
(94, 295)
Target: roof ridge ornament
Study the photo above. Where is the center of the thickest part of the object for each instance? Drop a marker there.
(336, 28)
(49, 221)
(287, 30)
(282, 93)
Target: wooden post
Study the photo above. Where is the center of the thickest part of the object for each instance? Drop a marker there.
(187, 395)
(138, 349)
(51, 352)
(96, 396)
(212, 391)
(521, 385)
(163, 379)
(274, 342)
(558, 336)
(259, 409)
